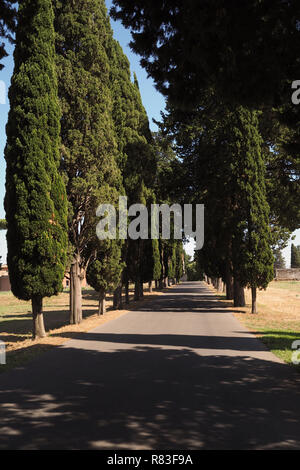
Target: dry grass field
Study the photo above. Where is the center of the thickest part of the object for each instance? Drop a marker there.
(277, 322)
(16, 323)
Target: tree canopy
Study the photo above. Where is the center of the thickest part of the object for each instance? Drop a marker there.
(247, 50)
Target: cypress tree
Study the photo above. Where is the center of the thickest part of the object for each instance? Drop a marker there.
(252, 254)
(136, 157)
(295, 256)
(104, 272)
(179, 261)
(140, 172)
(279, 262)
(35, 200)
(89, 148)
(223, 167)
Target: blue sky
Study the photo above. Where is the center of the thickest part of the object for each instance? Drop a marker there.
(152, 100)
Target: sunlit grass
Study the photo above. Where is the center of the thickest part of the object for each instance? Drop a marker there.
(277, 322)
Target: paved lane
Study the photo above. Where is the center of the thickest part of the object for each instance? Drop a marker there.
(180, 373)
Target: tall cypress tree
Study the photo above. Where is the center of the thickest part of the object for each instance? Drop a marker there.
(104, 272)
(89, 148)
(295, 256)
(279, 262)
(179, 260)
(136, 156)
(252, 254)
(35, 200)
(223, 167)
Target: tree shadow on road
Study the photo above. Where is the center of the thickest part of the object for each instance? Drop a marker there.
(149, 397)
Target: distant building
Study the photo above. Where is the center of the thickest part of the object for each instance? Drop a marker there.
(5, 283)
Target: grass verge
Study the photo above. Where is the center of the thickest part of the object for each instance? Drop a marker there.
(277, 323)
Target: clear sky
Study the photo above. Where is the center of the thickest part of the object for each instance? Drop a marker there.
(152, 100)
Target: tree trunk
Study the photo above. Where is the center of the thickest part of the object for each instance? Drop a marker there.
(141, 287)
(229, 286)
(118, 297)
(127, 292)
(254, 306)
(75, 292)
(219, 284)
(166, 282)
(156, 284)
(161, 284)
(150, 286)
(102, 303)
(239, 294)
(137, 290)
(38, 319)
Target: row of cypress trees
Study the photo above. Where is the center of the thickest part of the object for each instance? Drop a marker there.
(224, 167)
(295, 256)
(231, 114)
(77, 136)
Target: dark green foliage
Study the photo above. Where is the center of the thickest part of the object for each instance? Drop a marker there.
(179, 260)
(136, 160)
(169, 258)
(248, 50)
(279, 262)
(193, 272)
(88, 141)
(104, 273)
(3, 224)
(168, 182)
(281, 150)
(7, 24)
(156, 273)
(90, 152)
(295, 256)
(223, 167)
(150, 263)
(252, 254)
(35, 200)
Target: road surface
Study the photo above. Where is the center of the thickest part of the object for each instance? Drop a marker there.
(180, 373)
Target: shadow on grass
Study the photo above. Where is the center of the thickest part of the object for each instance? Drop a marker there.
(18, 327)
(20, 357)
(281, 342)
(281, 339)
(15, 329)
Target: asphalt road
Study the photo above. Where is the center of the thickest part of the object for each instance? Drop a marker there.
(180, 373)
